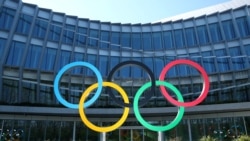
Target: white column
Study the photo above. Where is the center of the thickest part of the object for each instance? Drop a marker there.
(160, 136)
(103, 136)
(74, 131)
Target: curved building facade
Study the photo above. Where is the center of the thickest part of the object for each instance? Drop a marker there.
(35, 43)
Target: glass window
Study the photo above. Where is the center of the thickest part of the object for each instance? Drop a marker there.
(68, 34)
(15, 54)
(190, 36)
(33, 56)
(237, 58)
(125, 40)
(228, 29)
(148, 61)
(81, 36)
(222, 60)
(64, 58)
(115, 41)
(158, 66)
(2, 47)
(49, 59)
(104, 42)
(136, 41)
(172, 71)
(28, 93)
(92, 59)
(78, 57)
(168, 40)
(215, 32)
(136, 71)
(114, 60)
(156, 40)
(6, 18)
(55, 32)
(202, 35)
(125, 71)
(243, 26)
(179, 39)
(103, 65)
(40, 28)
(24, 24)
(93, 38)
(208, 61)
(146, 40)
(10, 93)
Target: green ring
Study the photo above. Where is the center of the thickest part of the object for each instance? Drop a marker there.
(145, 123)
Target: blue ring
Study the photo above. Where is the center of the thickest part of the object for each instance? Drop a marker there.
(64, 69)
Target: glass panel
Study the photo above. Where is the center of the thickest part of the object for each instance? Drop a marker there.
(148, 62)
(33, 57)
(228, 29)
(93, 38)
(48, 59)
(179, 39)
(202, 35)
(64, 58)
(40, 28)
(45, 95)
(81, 36)
(55, 32)
(215, 32)
(146, 39)
(115, 40)
(237, 59)
(125, 40)
(10, 92)
(222, 60)
(157, 42)
(68, 34)
(190, 37)
(78, 57)
(168, 39)
(114, 60)
(24, 24)
(92, 59)
(104, 43)
(158, 66)
(6, 18)
(103, 65)
(28, 93)
(136, 41)
(2, 47)
(243, 26)
(15, 54)
(172, 72)
(208, 61)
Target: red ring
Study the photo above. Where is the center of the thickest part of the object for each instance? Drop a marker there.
(205, 83)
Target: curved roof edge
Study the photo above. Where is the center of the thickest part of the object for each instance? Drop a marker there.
(233, 4)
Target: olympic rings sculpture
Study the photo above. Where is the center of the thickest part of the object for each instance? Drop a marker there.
(125, 103)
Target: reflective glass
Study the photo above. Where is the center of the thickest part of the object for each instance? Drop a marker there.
(190, 37)
(78, 57)
(148, 61)
(208, 61)
(146, 40)
(55, 32)
(64, 59)
(40, 28)
(125, 40)
(33, 57)
(92, 59)
(136, 72)
(24, 24)
(49, 57)
(215, 32)
(243, 26)
(114, 60)
(222, 60)
(179, 38)
(228, 29)
(168, 39)
(104, 42)
(81, 36)
(6, 18)
(15, 54)
(172, 72)
(2, 47)
(115, 41)
(68, 34)
(158, 66)
(10, 93)
(103, 65)
(202, 35)
(28, 93)
(157, 41)
(237, 58)
(93, 38)
(45, 95)
(136, 41)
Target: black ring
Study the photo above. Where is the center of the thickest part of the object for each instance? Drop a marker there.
(148, 95)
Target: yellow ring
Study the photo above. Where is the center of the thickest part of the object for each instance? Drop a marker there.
(108, 128)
